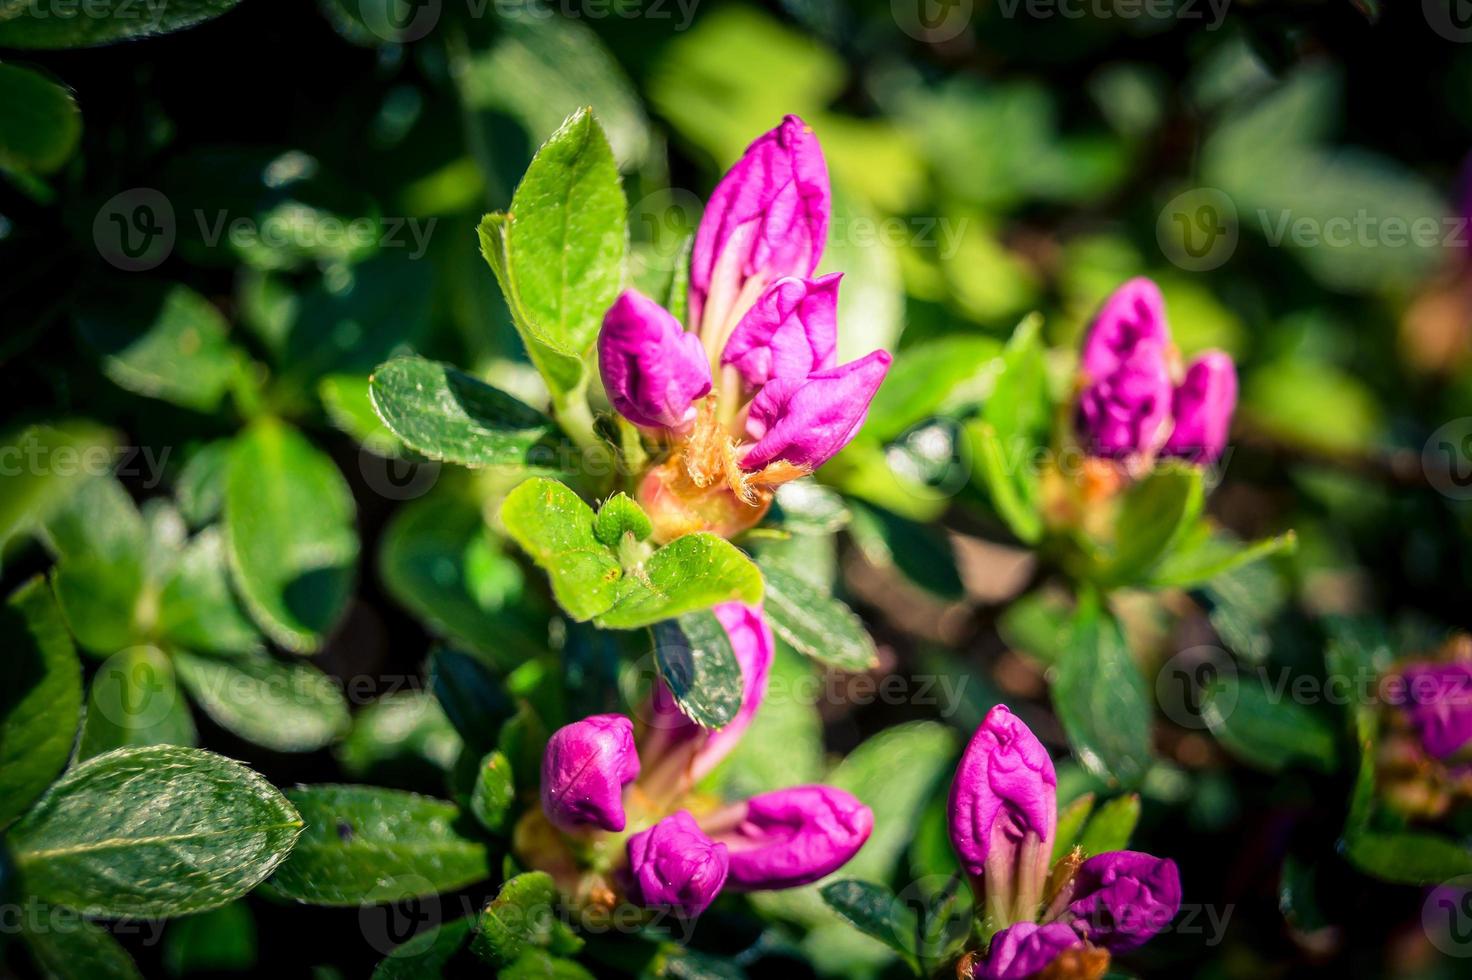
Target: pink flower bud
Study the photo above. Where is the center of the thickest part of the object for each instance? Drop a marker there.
(791, 332)
(1024, 949)
(584, 771)
(1003, 813)
(1125, 404)
(791, 837)
(675, 866)
(652, 369)
(1122, 898)
(806, 421)
(1438, 700)
(766, 219)
(1203, 406)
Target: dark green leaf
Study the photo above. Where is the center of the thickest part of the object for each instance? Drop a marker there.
(816, 624)
(696, 661)
(135, 700)
(1156, 512)
(494, 793)
(41, 700)
(290, 534)
(71, 948)
(875, 911)
(221, 940)
(24, 25)
(1110, 827)
(197, 608)
(212, 831)
(287, 707)
(1100, 698)
(1409, 857)
(426, 955)
(393, 739)
(447, 415)
(1266, 730)
(522, 917)
(367, 844)
(473, 697)
(922, 553)
(40, 124)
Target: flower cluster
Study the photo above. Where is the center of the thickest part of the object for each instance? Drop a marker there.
(1424, 758)
(752, 395)
(1135, 401)
(620, 816)
(1070, 915)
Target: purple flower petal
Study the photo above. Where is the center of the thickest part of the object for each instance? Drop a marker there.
(791, 332)
(807, 421)
(1438, 701)
(1005, 788)
(1122, 898)
(793, 836)
(766, 219)
(675, 866)
(1026, 948)
(584, 771)
(1203, 406)
(1125, 404)
(652, 369)
(1133, 314)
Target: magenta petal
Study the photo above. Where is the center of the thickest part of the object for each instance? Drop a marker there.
(584, 771)
(794, 836)
(1438, 700)
(1203, 408)
(675, 866)
(791, 332)
(652, 369)
(1005, 788)
(807, 421)
(671, 731)
(1122, 898)
(1021, 950)
(1127, 411)
(1133, 314)
(766, 219)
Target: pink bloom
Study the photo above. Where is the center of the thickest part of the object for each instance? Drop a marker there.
(1203, 408)
(793, 836)
(675, 866)
(1025, 948)
(1122, 898)
(584, 771)
(653, 370)
(807, 421)
(1438, 701)
(791, 332)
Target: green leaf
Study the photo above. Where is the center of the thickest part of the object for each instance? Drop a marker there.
(218, 941)
(161, 341)
(566, 237)
(30, 494)
(618, 516)
(784, 744)
(439, 559)
(875, 911)
(1269, 732)
(494, 793)
(1019, 409)
(349, 407)
(1155, 513)
(1071, 820)
(1409, 857)
(197, 608)
(696, 661)
(922, 553)
(563, 372)
(1010, 482)
(522, 917)
(100, 601)
(807, 507)
(135, 700)
(212, 831)
(687, 575)
(536, 964)
(25, 25)
(200, 489)
(1110, 827)
(923, 382)
(1200, 559)
(71, 948)
(367, 844)
(99, 521)
(473, 698)
(393, 739)
(286, 707)
(451, 416)
(427, 954)
(1101, 700)
(41, 701)
(290, 534)
(40, 124)
(816, 624)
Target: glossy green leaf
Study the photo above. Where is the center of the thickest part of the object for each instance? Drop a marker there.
(290, 534)
(1071, 820)
(197, 608)
(135, 700)
(1409, 857)
(212, 831)
(816, 624)
(40, 124)
(698, 665)
(71, 948)
(451, 416)
(1110, 827)
(875, 911)
(1100, 698)
(24, 25)
(427, 954)
(1156, 512)
(494, 793)
(523, 916)
(689, 574)
(41, 701)
(474, 699)
(161, 341)
(1201, 558)
(395, 737)
(287, 707)
(1266, 729)
(367, 844)
(563, 372)
(31, 493)
(620, 515)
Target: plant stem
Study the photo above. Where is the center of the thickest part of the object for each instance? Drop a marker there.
(576, 418)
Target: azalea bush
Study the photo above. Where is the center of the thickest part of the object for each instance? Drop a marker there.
(709, 491)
